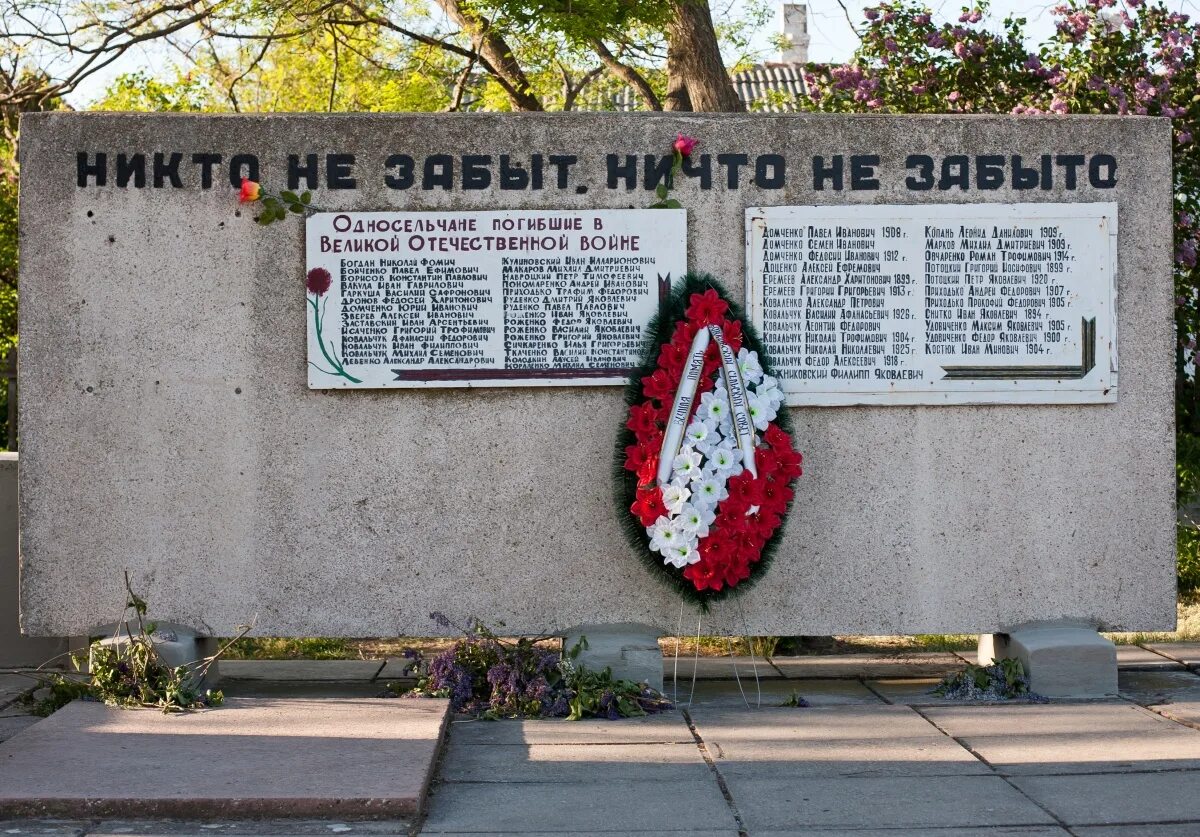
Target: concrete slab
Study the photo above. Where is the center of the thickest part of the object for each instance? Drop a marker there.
(1187, 653)
(45, 827)
(716, 668)
(1185, 712)
(933, 664)
(1136, 658)
(252, 757)
(283, 670)
(830, 741)
(1161, 829)
(1113, 798)
(246, 828)
(12, 725)
(667, 831)
(579, 763)
(892, 802)
(315, 689)
(774, 692)
(664, 728)
(394, 670)
(572, 808)
(1158, 687)
(997, 831)
(918, 691)
(1071, 738)
(13, 685)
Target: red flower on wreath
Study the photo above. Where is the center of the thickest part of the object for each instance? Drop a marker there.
(706, 308)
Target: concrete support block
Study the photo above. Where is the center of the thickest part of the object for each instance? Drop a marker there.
(1062, 659)
(16, 649)
(176, 646)
(629, 649)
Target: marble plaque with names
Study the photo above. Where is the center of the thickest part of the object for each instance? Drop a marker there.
(496, 298)
(937, 304)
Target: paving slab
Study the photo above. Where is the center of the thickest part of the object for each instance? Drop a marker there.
(1136, 658)
(573, 833)
(305, 688)
(663, 728)
(1132, 798)
(285, 670)
(251, 757)
(918, 691)
(769, 694)
(995, 831)
(716, 668)
(1187, 653)
(922, 664)
(1161, 829)
(830, 741)
(10, 726)
(246, 828)
(1185, 712)
(1158, 687)
(1071, 738)
(573, 808)
(44, 828)
(578, 763)
(912, 802)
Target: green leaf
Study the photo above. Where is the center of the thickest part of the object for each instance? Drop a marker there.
(290, 197)
(661, 191)
(305, 198)
(672, 204)
(298, 208)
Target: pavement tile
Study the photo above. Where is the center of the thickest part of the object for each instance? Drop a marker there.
(1136, 658)
(774, 692)
(576, 808)
(717, 668)
(1134, 798)
(1071, 738)
(268, 757)
(574, 833)
(396, 669)
(1184, 712)
(1185, 652)
(995, 831)
(44, 827)
(1158, 687)
(278, 670)
(893, 802)
(918, 691)
(246, 828)
(12, 725)
(1161, 829)
(663, 728)
(916, 664)
(830, 741)
(580, 763)
(315, 689)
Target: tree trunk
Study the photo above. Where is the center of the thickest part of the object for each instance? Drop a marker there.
(696, 75)
(496, 52)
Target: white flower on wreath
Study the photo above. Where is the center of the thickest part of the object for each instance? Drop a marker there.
(674, 496)
(760, 410)
(686, 463)
(664, 534)
(748, 365)
(710, 492)
(769, 391)
(693, 521)
(723, 460)
(698, 432)
(681, 555)
(715, 408)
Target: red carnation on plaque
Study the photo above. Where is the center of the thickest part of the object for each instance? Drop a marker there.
(706, 460)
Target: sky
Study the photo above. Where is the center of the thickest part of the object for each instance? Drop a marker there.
(832, 38)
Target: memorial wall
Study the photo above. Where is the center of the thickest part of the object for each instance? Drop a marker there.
(409, 400)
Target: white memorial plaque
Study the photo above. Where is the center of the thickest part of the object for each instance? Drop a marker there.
(507, 298)
(937, 304)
